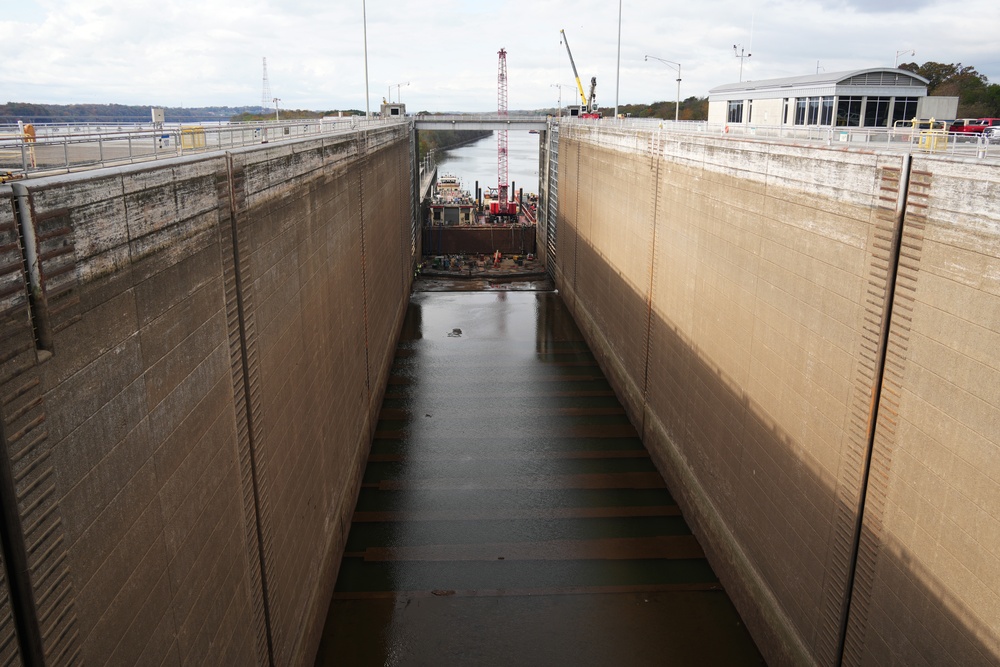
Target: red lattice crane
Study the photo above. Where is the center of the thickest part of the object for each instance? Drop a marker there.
(502, 206)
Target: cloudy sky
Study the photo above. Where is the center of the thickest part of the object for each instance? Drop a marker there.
(209, 52)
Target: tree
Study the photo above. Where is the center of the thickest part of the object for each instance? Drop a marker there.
(692, 108)
(977, 98)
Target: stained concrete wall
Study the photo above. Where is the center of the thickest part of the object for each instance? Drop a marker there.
(10, 655)
(12, 301)
(738, 293)
(192, 409)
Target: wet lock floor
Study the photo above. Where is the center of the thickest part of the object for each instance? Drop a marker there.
(509, 514)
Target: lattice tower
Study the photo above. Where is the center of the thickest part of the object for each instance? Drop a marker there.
(502, 134)
(265, 96)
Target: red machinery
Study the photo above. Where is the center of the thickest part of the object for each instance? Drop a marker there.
(502, 207)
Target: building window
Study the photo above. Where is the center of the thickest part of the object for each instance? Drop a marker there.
(849, 111)
(905, 108)
(877, 112)
(826, 111)
(813, 111)
(800, 110)
(735, 111)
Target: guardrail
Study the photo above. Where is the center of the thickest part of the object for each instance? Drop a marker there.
(976, 146)
(57, 148)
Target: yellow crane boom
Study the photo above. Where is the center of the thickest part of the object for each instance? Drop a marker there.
(583, 96)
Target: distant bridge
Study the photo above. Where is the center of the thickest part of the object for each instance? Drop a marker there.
(479, 122)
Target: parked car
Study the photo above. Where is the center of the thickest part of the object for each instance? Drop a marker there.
(993, 134)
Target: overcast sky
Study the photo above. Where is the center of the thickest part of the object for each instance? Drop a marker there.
(208, 52)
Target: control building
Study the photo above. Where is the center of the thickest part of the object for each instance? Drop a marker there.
(875, 97)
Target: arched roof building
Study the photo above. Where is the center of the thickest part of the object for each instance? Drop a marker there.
(874, 97)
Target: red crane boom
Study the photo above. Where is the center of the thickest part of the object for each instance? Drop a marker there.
(502, 134)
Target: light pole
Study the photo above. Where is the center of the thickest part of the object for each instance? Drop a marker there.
(364, 20)
(618, 66)
(276, 100)
(912, 52)
(676, 66)
(560, 86)
(397, 86)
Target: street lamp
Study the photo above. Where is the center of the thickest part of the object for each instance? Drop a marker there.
(560, 86)
(912, 52)
(276, 100)
(676, 66)
(364, 20)
(396, 86)
(618, 65)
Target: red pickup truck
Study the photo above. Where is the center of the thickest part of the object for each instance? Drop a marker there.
(973, 125)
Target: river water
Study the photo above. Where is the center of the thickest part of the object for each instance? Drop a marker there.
(478, 161)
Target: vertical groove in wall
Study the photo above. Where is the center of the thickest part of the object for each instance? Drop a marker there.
(56, 247)
(576, 212)
(656, 153)
(43, 587)
(859, 428)
(884, 439)
(414, 197)
(363, 169)
(246, 389)
(408, 204)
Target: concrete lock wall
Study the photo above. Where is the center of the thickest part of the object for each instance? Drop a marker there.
(12, 299)
(190, 392)
(739, 294)
(928, 584)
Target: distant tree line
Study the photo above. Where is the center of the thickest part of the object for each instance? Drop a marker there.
(977, 97)
(692, 108)
(291, 114)
(440, 140)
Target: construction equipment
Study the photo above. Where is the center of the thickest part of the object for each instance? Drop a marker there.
(589, 108)
(502, 208)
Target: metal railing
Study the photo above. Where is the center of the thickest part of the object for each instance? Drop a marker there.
(59, 148)
(493, 121)
(977, 146)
